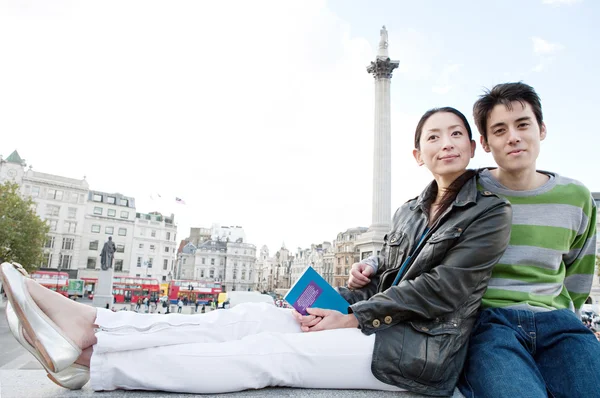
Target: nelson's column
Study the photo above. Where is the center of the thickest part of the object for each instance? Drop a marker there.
(370, 242)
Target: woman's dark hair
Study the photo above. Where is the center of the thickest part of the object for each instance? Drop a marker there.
(454, 188)
(431, 112)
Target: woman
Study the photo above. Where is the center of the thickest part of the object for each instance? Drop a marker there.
(410, 328)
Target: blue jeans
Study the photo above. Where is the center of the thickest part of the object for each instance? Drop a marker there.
(518, 353)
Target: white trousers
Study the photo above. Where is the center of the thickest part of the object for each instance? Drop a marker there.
(250, 346)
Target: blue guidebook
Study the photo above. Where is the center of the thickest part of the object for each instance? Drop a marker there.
(312, 291)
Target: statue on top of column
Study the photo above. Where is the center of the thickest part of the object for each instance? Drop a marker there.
(383, 41)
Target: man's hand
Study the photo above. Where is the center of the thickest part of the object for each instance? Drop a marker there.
(306, 321)
(330, 319)
(359, 275)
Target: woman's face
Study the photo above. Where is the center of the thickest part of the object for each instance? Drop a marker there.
(445, 146)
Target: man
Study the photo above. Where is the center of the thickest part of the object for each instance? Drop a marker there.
(528, 341)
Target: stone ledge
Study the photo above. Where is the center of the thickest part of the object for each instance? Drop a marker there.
(34, 383)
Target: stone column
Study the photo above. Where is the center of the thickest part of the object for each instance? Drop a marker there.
(370, 242)
(381, 69)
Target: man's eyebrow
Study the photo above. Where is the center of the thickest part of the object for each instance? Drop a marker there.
(493, 126)
(521, 119)
(524, 119)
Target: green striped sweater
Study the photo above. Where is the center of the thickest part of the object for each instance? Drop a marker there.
(550, 259)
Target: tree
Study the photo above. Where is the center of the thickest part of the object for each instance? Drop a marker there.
(598, 265)
(22, 232)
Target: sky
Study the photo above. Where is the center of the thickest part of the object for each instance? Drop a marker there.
(260, 114)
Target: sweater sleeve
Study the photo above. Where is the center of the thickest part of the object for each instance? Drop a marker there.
(581, 261)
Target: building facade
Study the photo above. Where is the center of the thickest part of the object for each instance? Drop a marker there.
(107, 215)
(154, 248)
(346, 254)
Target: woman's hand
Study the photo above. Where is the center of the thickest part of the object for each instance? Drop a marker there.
(306, 321)
(329, 319)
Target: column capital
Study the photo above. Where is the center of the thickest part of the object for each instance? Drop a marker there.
(382, 68)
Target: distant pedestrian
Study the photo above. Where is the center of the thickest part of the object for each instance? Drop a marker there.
(138, 304)
(203, 310)
(179, 305)
(185, 301)
(197, 303)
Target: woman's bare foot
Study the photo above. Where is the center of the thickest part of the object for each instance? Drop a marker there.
(75, 320)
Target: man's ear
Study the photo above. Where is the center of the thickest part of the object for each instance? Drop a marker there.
(417, 155)
(542, 131)
(484, 144)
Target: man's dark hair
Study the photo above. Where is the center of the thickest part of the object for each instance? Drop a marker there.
(505, 94)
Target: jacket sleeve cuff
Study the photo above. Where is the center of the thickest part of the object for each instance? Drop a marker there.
(368, 321)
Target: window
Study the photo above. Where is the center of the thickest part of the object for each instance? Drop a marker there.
(35, 191)
(168, 236)
(338, 271)
(68, 243)
(347, 262)
(141, 245)
(73, 197)
(98, 211)
(52, 210)
(212, 261)
(221, 262)
(70, 227)
(123, 202)
(152, 247)
(109, 230)
(234, 273)
(120, 248)
(212, 273)
(165, 264)
(150, 260)
(122, 231)
(166, 249)
(339, 260)
(111, 199)
(46, 260)
(64, 261)
(184, 260)
(153, 234)
(72, 212)
(124, 214)
(201, 273)
(164, 278)
(142, 231)
(244, 275)
(203, 260)
(139, 262)
(137, 275)
(97, 198)
(118, 265)
(111, 213)
(93, 245)
(52, 224)
(91, 263)
(49, 244)
(55, 194)
(96, 228)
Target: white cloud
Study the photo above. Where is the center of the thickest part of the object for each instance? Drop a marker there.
(543, 47)
(561, 2)
(445, 81)
(545, 52)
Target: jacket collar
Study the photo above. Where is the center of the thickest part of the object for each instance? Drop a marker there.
(467, 194)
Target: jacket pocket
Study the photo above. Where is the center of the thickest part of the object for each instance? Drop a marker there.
(438, 246)
(395, 248)
(428, 350)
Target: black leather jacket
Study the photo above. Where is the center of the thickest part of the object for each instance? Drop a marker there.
(422, 325)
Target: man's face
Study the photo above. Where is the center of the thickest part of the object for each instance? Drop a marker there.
(513, 137)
